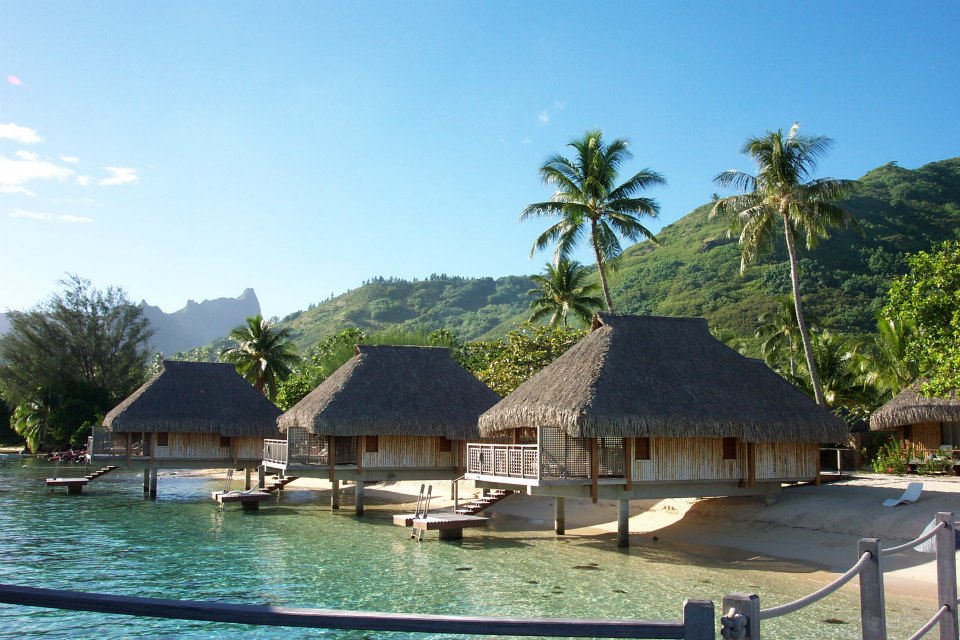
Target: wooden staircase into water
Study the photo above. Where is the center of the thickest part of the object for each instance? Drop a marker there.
(278, 484)
(101, 472)
(477, 505)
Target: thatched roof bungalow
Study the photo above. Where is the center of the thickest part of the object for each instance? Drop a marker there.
(389, 413)
(190, 415)
(649, 407)
(926, 422)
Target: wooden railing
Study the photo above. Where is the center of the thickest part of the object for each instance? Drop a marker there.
(107, 443)
(697, 622)
(275, 451)
(504, 460)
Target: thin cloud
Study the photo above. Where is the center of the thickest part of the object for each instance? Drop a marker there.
(33, 215)
(559, 105)
(74, 219)
(70, 159)
(83, 181)
(16, 172)
(23, 135)
(15, 81)
(45, 216)
(543, 117)
(119, 175)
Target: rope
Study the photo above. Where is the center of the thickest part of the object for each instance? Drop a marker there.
(796, 605)
(903, 547)
(922, 631)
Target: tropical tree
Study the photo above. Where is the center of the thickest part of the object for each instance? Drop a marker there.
(783, 193)
(779, 335)
(561, 290)
(264, 355)
(885, 364)
(588, 200)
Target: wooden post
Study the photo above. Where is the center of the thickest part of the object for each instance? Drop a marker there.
(873, 620)
(261, 477)
(746, 604)
(146, 480)
(947, 576)
(628, 463)
(361, 449)
(358, 491)
(816, 482)
(698, 620)
(331, 457)
(559, 515)
(594, 470)
(154, 473)
(334, 494)
(246, 479)
(751, 464)
(623, 523)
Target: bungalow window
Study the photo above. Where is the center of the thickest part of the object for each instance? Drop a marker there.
(162, 439)
(225, 442)
(445, 445)
(950, 434)
(729, 448)
(372, 444)
(641, 448)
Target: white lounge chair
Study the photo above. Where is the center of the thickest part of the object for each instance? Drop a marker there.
(910, 494)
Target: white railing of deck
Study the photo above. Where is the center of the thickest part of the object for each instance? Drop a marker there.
(275, 451)
(504, 460)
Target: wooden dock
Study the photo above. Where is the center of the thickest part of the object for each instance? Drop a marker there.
(450, 525)
(73, 485)
(249, 500)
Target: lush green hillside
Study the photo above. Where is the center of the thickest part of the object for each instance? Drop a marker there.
(694, 272)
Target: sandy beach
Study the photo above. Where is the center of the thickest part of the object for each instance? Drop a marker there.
(811, 530)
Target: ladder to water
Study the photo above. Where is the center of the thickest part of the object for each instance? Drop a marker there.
(423, 508)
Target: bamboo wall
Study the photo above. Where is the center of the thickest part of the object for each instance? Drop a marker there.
(786, 460)
(925, 435)
(410, 452)
(673, 459)
(206, 446)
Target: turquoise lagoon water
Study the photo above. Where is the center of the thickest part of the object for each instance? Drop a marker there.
(297, 553)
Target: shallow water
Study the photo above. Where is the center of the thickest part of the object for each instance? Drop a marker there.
(297, 553)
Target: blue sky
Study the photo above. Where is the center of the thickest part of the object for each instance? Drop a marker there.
(192, 149)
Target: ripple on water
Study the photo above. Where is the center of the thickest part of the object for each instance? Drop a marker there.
(181, 545)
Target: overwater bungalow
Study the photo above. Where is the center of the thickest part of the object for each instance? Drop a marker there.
(388, 413)
(650, 407)
(192, 415)
(927, 423)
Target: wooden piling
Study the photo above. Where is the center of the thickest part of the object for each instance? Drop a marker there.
(358, 500)
(559, 516)
(146, 480)
(623, 523)
(246, 479)
(261, 477)
(154, 473)
(334, 494)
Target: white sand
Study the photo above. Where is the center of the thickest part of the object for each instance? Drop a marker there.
(817, 527)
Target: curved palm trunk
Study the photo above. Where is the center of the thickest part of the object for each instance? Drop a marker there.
(600, 267)
(801, 323)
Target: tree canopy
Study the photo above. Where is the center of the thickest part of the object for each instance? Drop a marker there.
(928, 297)
(72, 358)
(563, 290)
(264, 354)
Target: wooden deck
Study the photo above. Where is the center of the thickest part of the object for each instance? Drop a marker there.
(73, 485)
(249, 500)
(450, 525)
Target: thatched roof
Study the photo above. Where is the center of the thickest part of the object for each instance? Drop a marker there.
(649, 376)
(393, 390)
(911, 407)
(196, 397)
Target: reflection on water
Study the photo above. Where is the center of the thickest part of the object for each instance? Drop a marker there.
(299, 554)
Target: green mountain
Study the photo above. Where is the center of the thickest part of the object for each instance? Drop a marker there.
(695, 271)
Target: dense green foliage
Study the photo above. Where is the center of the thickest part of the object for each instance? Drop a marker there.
(928, 297)
(588, 201)
(68, 361)
(563, 290)
(264, 354)
(7, 434)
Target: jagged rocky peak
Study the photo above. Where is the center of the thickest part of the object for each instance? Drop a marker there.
(199, 323)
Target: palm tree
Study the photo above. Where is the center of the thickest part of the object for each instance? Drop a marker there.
(886, 366)
(563, 289)
(586, 198)
(779, 334)
(782, 192)
(264, 354)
